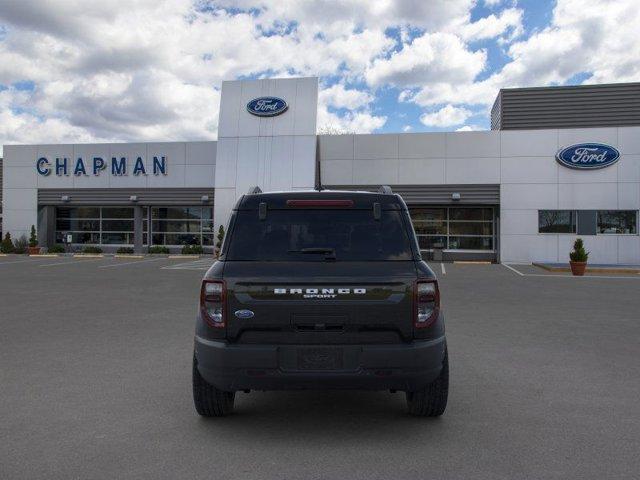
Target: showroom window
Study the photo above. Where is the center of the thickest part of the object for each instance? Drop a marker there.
(556, 221)
(95, 225)
(182, 226)
(618, 222)
(453, 228)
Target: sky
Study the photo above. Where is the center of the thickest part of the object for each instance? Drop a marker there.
(77, 71)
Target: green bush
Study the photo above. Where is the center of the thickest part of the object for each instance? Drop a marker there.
(158, 249)
(20, 245)
(33, 238)
(192, 250)
(57, 248)
(91, 249)
(579, 254)
(7, 244)
(125, 250)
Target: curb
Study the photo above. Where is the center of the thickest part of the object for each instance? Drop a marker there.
(589, 269)
(183, 256)
(88, 255)
(472, 262)
(45, 255)
(127, 255)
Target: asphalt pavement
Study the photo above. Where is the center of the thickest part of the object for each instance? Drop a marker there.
(95, 383)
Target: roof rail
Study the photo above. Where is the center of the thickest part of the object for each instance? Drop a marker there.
(254, 190)
(385, 189)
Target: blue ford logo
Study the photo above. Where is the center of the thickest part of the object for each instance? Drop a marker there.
(244, 313)
(588, 156)
(267, 106)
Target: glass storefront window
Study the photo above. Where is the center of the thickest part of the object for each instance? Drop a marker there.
(453, 228)
(556, 221)
(188, 225)
(618, 221)
(95, 225)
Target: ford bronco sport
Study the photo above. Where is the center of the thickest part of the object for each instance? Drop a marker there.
(320, 290)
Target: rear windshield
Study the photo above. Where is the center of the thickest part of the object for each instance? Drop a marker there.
(318, 235)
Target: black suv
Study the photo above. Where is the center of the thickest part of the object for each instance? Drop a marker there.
(320, 290)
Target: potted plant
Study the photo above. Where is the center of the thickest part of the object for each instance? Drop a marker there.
(7, 244)
(578, 258)
(20, 245)
(33, 249)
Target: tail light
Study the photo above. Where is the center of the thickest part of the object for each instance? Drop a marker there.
(213, 296)
(426, 303)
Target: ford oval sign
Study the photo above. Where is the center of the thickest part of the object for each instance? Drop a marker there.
(588, 156)
(244, 313)
(267, 106)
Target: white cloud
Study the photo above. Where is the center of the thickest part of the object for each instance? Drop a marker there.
(509, 22)
(407, 128)
(151, 70)
(351, 122)
(340, 97)
(469, 128)
(597, 38)
(433, 57)
(447, 116)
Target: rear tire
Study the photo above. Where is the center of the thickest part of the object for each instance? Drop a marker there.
(431, 401)
(208, 400)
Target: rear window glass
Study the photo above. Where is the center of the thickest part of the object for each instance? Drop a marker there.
(314, 235)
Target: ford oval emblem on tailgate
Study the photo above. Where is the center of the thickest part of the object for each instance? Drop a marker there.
(244, 313)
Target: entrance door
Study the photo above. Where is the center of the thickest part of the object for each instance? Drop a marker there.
(461, 232)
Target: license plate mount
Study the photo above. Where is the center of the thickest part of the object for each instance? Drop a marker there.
(320, 358)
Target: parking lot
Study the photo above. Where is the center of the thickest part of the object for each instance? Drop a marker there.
(95, 382)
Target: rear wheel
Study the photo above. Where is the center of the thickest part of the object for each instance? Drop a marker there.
(208, 400)
(431, 401)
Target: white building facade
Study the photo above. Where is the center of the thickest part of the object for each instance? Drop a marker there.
(501, 195)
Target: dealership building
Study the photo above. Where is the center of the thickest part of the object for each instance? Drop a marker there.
(558, 163)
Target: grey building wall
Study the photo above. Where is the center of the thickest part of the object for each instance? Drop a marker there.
(521, 162)
(616, 104)
(190, 165)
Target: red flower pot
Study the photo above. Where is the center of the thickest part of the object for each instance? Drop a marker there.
(578, 268)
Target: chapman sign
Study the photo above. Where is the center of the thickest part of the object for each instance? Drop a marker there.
(267, 106)
(588, 156)
(118, 166)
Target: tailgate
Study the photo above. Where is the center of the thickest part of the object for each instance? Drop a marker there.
(319, 302)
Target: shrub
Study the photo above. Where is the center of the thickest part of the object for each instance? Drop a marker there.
(158, 249)
(125, 250)
(20, 245)
(33, 238)
(192, 250)
(7, 244)
(579, 254)
(57, 248)
(91, 249)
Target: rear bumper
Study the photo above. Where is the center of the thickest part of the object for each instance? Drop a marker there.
(407, 367)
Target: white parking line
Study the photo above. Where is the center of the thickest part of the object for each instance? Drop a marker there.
(513, 269)
(444, 271)
(72, 262)
(22, 261)
(550, 275)
(130, 263)
(202, 264)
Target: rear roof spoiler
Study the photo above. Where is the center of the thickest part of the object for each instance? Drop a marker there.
(385, 189)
